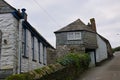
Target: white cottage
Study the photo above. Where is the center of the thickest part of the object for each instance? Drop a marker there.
(22, 48)
(79, 37)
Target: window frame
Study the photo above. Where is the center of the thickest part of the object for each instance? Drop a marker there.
(74, 36)
(44, 55)
(39, 52)
(0, 42)
(24, 42)
(33, 47)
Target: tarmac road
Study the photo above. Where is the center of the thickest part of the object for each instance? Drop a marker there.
(110, 70)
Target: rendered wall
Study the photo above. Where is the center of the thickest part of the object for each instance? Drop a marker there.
(101, 51)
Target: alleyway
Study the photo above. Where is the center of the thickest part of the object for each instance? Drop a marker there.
(110, 70)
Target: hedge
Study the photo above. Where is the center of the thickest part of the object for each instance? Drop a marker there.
(67, 68)
(116, 49)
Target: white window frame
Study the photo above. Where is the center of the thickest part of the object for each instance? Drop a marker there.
(74, 36)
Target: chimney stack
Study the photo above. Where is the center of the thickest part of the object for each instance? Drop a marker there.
(24, 15)
(93, 24)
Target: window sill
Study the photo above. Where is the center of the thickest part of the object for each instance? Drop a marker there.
(34, 60)
(75, 40)
(25, 56)
(44, 64)
(40, 62)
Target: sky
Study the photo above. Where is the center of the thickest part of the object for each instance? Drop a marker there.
(48, 16)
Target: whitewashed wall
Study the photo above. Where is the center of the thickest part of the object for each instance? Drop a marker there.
(101, 52)
(9, 28)
(12, 46)
(28, 63)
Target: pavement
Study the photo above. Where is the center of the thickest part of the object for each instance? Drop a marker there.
(109, 70)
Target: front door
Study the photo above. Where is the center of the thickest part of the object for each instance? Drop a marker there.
(92, 63)
(92, 54)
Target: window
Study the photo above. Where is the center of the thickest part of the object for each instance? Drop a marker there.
(0, 42)
(77, 35)
(39, 52)
(24, 42)
(44, 55)
(74, 36)
(33, 45)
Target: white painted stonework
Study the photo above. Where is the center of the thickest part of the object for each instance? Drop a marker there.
(11, 56)
(9, 28)
(101, 51)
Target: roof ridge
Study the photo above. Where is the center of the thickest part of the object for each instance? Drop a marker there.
(75, 26)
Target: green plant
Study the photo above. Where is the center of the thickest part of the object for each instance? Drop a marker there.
(66, 68)
(116, 49)
(74, 58)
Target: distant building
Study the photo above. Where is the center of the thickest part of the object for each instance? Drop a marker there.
(22, 48)
(79, 37)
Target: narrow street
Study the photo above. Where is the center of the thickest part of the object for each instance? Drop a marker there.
(110, 70)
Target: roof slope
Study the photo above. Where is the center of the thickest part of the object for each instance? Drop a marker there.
(36, 33)
(5, 7)
(75, 26)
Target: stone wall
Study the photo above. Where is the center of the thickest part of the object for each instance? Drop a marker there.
(9, 46)
(62, 50)
(51, 56)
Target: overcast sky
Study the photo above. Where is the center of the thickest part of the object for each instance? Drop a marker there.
(48, 16)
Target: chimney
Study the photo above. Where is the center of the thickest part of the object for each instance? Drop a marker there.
(93, 24)
(24, 15)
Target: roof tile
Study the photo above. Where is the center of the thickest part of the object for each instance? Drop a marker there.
(5, 7)
(75, 26)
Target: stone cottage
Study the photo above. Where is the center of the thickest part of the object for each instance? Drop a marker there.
(79, 37)
(22, 48)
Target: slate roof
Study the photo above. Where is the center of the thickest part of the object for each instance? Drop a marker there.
(77, 25)
(5, 7)
(37, 34)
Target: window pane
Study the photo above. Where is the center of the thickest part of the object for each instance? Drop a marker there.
(39, 52)
(24, 42)
(44, 55)
(70, 35)
(32, 42)
(77, 35)
(73, 35)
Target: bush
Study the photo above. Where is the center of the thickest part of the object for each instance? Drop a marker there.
(116, 49)
(76, 59)
(66, 68)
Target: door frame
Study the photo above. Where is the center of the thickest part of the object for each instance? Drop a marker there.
(92, 50)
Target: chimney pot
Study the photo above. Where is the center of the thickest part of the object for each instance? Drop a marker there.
(23, 10)
(24, 15)
(93, 24)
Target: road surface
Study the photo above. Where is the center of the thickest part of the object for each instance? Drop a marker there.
(110, 70)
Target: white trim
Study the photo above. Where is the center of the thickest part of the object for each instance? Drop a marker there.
(74, 36)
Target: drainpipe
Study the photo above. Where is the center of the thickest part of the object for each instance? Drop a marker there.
(24, 17)
(20, 45)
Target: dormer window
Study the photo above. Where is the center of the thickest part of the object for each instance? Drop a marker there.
(74, 36)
